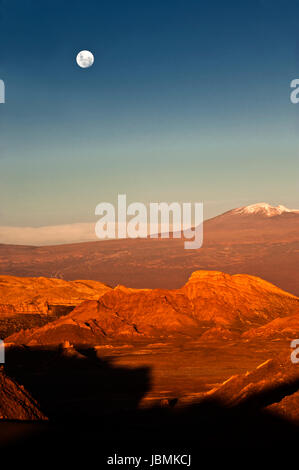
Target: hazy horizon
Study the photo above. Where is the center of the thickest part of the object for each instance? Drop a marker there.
(46, 235)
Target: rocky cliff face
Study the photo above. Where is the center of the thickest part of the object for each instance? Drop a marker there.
(209, 302)
(38, 295)
(15, 402)
(239, 301)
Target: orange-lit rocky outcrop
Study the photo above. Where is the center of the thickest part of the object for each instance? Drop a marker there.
(209, 300)
(38, 295)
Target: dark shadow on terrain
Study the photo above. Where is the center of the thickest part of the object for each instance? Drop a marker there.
(94, 405)
(69, 385)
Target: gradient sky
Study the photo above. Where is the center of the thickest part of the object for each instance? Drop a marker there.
(187, 101)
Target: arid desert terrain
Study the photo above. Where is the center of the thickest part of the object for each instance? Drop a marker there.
(89, 362)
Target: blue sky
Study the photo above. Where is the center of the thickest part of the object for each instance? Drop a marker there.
(186, 101)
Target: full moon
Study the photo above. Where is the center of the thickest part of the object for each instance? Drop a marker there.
(85, 59)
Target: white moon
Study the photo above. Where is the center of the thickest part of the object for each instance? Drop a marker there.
(85, 59)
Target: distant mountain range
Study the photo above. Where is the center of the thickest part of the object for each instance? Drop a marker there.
(259, 239)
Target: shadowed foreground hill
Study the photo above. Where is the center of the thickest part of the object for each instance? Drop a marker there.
(209, 301)
(89, 401)
(15, 402)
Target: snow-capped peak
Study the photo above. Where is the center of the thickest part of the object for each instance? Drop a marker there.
(262, 208)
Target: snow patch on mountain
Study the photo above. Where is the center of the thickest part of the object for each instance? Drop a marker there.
(263, 208)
